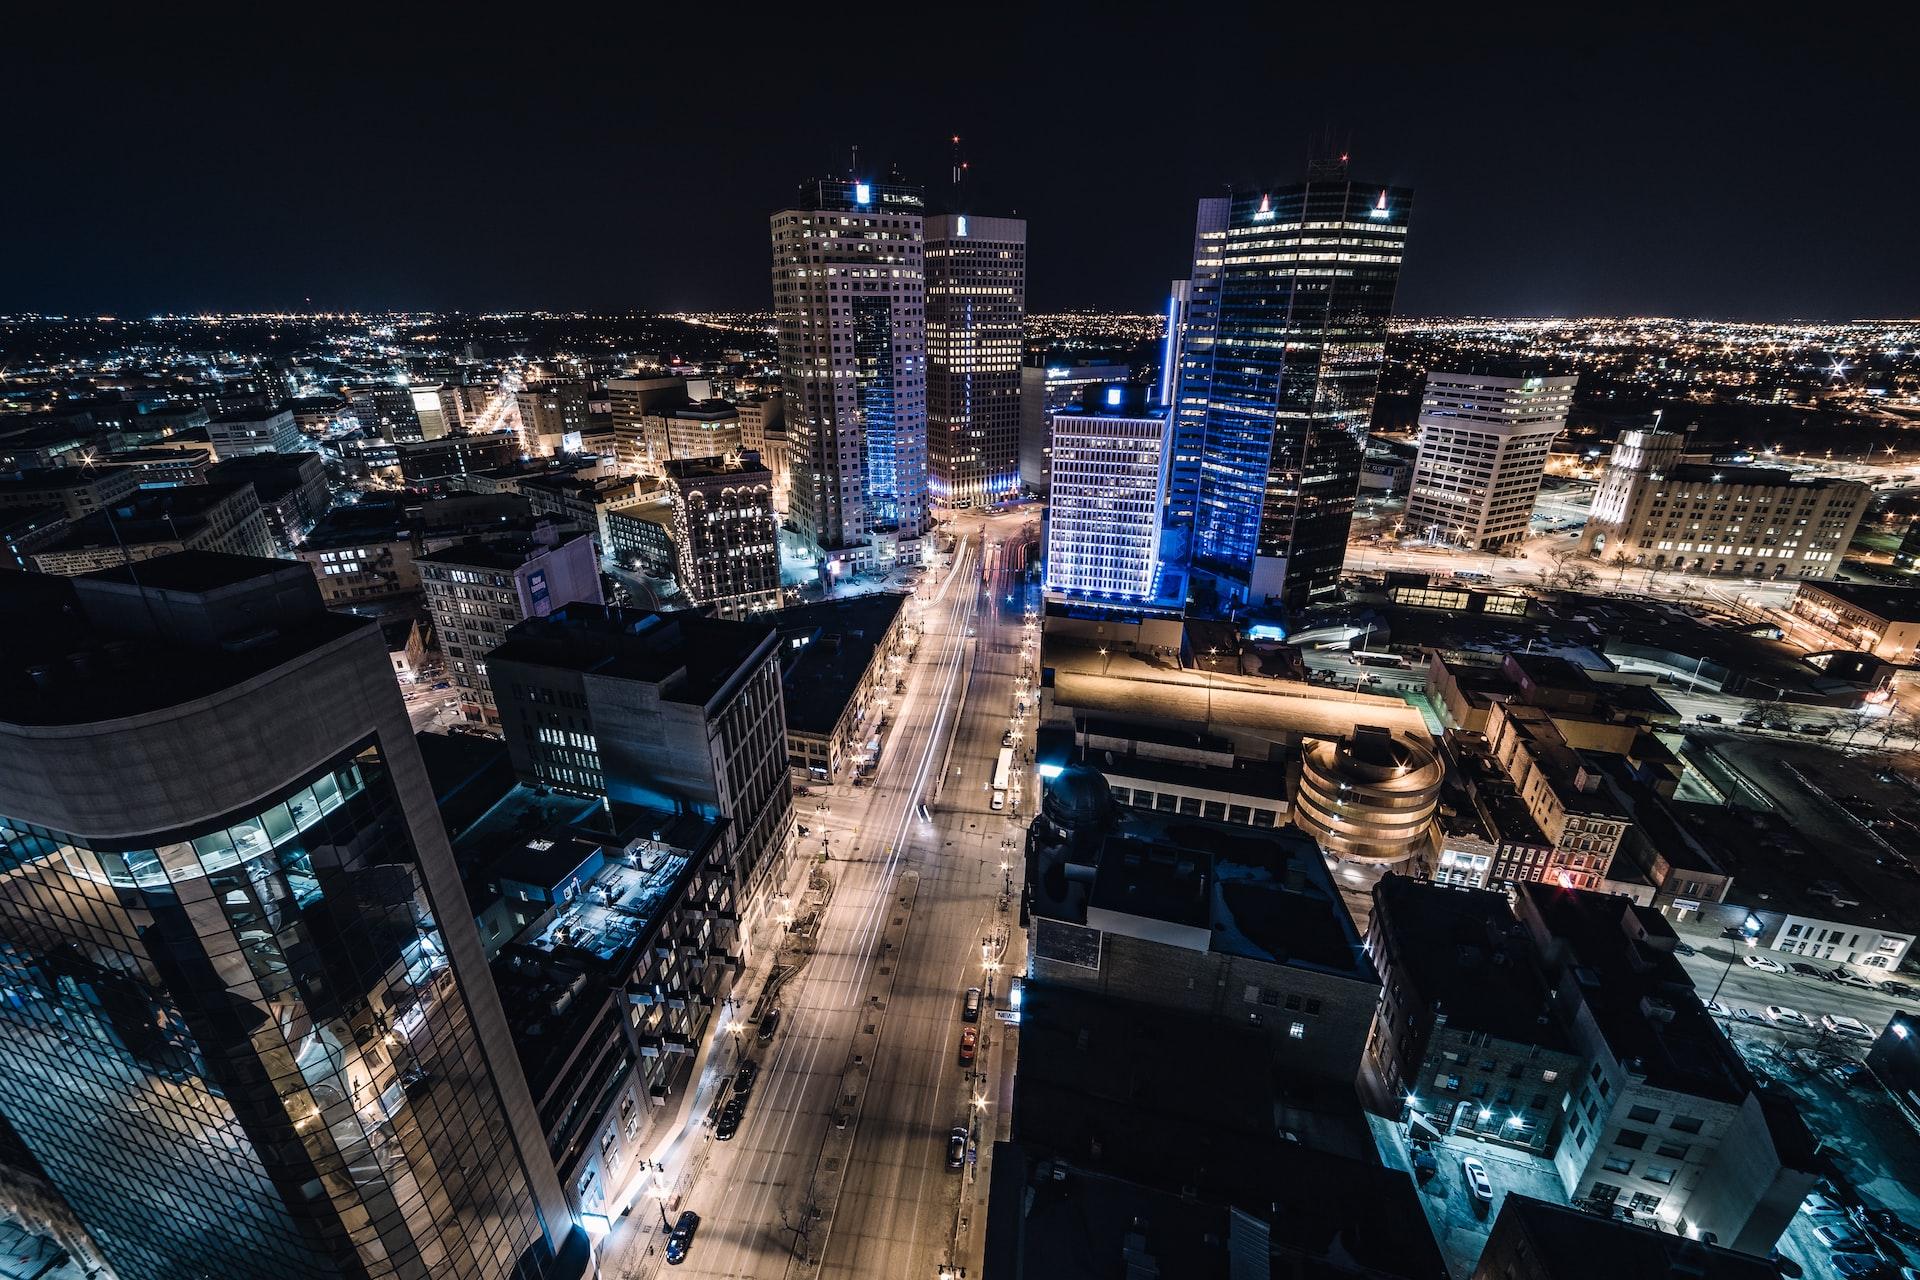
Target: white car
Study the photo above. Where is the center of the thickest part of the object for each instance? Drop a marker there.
(1841, 1025)
(1780, 1015)
(1762, 962)
(1478, 1183)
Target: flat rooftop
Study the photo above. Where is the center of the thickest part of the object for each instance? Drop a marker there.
(94, 648)
(1890, 604)
(689, 655)
(1469, 958)
(820, 676)
(1569, 1244)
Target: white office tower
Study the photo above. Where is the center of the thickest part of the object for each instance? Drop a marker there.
(1483, 448)
(1103, 512)
(849, 300)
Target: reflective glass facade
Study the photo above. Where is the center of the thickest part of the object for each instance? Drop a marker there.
(239, 1048)
(1280, 369)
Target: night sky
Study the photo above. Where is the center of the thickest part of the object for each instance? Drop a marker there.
(333, 159)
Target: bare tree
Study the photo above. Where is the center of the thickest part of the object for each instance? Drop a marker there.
(1851, 723)
(1621, 562)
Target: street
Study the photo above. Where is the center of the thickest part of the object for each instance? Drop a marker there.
(840, 1161)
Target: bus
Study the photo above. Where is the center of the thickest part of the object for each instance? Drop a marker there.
(1002, 775)
(1362, 658)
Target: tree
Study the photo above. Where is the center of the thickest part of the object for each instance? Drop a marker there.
(1621, 562)
(1851, 723)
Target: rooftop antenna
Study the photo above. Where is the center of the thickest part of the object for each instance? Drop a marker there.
(958, 172)
(854, 172)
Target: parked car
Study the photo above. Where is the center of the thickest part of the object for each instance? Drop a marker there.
(680, 1239)
(1782, 1016)
(1841, 1238)
(1744, 1014)
(769, 1023)
(1806, 970)
(956, 1148)
(1885, 1221)
(1707, 717)
(1862, 1266)
(1813, 730)
(1899, 989)
(744, 1076)
(1846, 1074)
(1821, 1200)
(1681, 948)
(1763, 962)
(1848, 978)
(730, 1116)
(969, 1043)
(1479, 1185)
(1718, 1010)
(1841, 1025)
(970, 1006)
(1424, 1165)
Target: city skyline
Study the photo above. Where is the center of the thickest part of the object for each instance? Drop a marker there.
(1630, 172)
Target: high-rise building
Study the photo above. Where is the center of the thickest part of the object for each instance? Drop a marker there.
(552, 416)
(1173, 341)
(1197, 302)
(1483, 448)
(976, 319)
(155, 522)
(849, 299)
(657, 711)
(725, 536)
(1279, 377)
(1103, 508)
(431, 406)
(636, 406)
(477, 589)
(250, 1027)
(1045, 389)
(703, 429)
(1654, 509)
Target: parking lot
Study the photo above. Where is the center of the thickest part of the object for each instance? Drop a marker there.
(1460, 1223)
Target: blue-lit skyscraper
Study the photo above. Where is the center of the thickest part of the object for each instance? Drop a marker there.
(849, 299)
(1286, 333)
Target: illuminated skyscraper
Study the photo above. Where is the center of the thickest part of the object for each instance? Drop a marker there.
(1279, 377)
(1483, 448)
(976, 314)
(1109, 477)
(849, 299)
(248, 1029)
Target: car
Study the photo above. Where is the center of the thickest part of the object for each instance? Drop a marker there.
(1006, 739)
(1763, 962)
(1813, 730)
(1751, 722)
(1861, 1266)
(1806, 970)
(730, 1117)
(969, 1043)
(1782, 1016)
(680, 1239)
(1682, 949)
(1780, 726)
(970, 1005)
(926, 815)
(1846, 1074)
(1718, 1010)
(956, 1148)
(1841, 1025)
(1707, 717)
(1899, 989)
(1841, 1238)
(1744, 1014)
(1479, 1185)
(1848, 978)
(744, 1076)
(769, 1023)
(1820, 1200)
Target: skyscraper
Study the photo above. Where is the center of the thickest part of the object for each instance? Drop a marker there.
(849, 299)
(724, 533)
(1279, 377)
(249, 1028)
(1103, 509)
(1483, 448)
(976, 316)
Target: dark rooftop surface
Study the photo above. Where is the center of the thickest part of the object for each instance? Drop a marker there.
(150, 515)
(1469, 959)
(1618, 975)
(1174, 1102)
(72, 651)
(689, 655)
(1264, 893)
(1267, 781)
(1893, 604)
(820, 676)
(505, 553)
(713, 468)
(54, 479)
(1570, 1245)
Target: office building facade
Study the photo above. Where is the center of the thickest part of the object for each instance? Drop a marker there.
(849, 299)
(1109, 475)
(476, 591)
(245, 432)
(252, 1030)
(725, 537)
(1483, 448)
(1656, 510)
(1193, 317)
(553, 415)
(674, 711)
(385, 409)
(1279, 378)
(976, 318)
(1046, 389)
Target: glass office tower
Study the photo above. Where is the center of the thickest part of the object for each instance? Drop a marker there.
(246, 1029)
(1280, 369)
